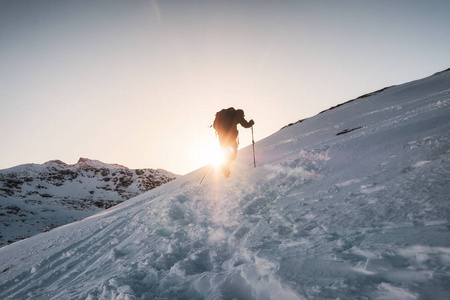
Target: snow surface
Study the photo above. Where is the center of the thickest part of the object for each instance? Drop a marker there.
(359, 215)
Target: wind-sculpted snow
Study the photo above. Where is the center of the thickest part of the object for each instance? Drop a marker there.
(360, 215)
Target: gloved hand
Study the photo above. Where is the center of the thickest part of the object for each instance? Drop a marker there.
(252, 122)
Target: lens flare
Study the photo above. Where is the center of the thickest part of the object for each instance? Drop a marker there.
(214, 156)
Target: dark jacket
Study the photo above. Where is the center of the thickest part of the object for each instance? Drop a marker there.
(228, 132)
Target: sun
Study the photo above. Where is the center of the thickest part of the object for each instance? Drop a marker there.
(214, 155)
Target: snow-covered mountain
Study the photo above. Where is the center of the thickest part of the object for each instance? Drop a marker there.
(35, 198)
(350, 204)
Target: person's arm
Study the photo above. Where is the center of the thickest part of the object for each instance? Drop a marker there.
(246, 124)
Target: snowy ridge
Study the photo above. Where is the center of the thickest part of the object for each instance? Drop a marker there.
(359, 215)
(85, 163)
(34, 197)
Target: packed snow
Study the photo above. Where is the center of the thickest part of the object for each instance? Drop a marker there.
(350, 204)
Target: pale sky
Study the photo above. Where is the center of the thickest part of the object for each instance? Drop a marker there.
(138, 82)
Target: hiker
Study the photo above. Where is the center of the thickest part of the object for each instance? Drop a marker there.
(225, 124)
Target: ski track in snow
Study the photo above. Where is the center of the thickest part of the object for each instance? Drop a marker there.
(362, 215)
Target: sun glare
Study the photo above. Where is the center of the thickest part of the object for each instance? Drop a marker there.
(214, 156)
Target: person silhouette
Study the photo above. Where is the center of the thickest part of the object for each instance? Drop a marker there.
(225, 124)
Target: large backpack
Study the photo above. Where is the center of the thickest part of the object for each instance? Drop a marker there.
(224, 120)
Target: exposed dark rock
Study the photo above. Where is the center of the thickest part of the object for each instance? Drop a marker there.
(347, 130)
(290, 124)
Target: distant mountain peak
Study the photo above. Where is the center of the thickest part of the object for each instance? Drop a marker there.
(86, 163)
(56, 161)
(36, 196)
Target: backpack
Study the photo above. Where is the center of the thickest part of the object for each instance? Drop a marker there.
(224, 120)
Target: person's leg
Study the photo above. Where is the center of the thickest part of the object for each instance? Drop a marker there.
(233, 150)
(230, 155)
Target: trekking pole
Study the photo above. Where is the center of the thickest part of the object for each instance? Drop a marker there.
(207, 170)
(253, 142)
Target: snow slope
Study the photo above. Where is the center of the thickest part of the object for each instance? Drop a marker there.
(38, 197)
(350, 204)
